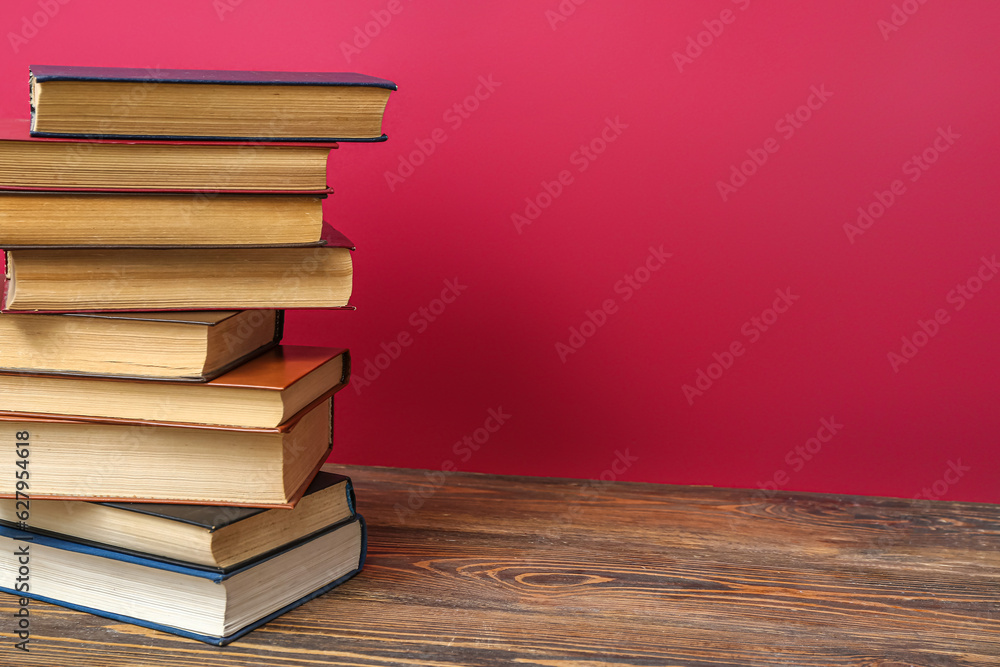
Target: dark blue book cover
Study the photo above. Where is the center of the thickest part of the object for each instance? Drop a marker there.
(226, 77)
(207, 86)
(28, 541)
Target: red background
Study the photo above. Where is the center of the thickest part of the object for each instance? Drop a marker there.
(655, 184)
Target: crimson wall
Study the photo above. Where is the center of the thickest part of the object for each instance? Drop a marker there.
(736, 243)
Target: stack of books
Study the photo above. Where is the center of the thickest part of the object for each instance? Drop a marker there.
(163, 448)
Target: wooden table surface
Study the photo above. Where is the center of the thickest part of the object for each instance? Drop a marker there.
(485, 570)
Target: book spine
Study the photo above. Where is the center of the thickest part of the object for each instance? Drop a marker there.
(279, 326)
(6, 280)
(345, 377)
(279, 332)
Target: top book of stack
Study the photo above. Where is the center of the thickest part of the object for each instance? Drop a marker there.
(207, 105)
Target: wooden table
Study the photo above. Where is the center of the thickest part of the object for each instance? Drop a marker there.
(486, 570)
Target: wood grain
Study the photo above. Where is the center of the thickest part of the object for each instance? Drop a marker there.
(483, 570)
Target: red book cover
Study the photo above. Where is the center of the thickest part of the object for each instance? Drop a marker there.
(15, 137)
(329, 237)
(331, 240)
(297, 377)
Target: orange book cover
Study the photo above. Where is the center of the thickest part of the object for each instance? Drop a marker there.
(275, 370)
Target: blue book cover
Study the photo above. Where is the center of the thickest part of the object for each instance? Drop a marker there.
(30, 540)
(152, 79)
(207, 517)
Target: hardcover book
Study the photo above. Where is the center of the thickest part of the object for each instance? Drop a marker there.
(265, 392)
(156, 279)
(206, 536)
(207, 104)
(110, 165)
(193, 346)
(78, 220)
(107, 460)
(191, 602)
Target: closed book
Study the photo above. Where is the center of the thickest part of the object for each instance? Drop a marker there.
(212, 607)
(206, 536)
(207, 104)
(164, 279)
(264, 392)
(121, 165)
(192, 346)
(120, 220)
(117, 460)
